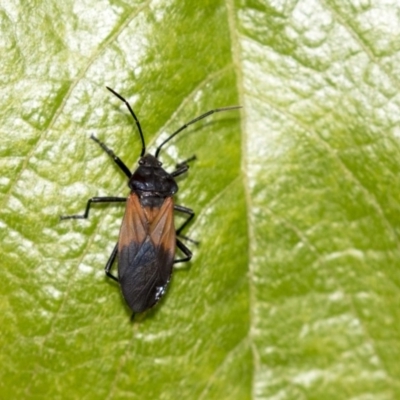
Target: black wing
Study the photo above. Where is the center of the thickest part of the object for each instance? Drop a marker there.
(146, 251)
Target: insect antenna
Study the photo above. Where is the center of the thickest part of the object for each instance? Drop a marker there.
(192, 122)
(134, 117)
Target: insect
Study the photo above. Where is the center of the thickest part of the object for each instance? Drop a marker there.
(148, 239)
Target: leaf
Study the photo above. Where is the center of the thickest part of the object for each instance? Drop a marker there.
(293, 292)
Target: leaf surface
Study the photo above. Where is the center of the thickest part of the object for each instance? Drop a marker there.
(293, 291)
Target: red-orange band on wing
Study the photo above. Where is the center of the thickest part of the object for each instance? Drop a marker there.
(140, 222)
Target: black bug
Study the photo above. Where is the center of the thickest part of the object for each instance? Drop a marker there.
(148, 239)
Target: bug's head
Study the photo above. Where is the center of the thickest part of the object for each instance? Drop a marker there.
(149, 161)
(151, 178)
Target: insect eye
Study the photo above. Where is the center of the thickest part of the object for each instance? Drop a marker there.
(141, 162)
(159, 163)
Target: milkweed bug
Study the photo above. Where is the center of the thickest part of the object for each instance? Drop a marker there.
(147, 239)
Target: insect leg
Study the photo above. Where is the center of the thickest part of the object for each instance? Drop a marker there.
(116, 159)
(184, 250)
(94, 200)
(185, 210)
(110, 263)
(182, 167)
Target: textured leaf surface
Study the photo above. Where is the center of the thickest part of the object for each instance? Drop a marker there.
(293, 292)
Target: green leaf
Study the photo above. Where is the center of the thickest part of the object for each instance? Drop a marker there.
(293, 292)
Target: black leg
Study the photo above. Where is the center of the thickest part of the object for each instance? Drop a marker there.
(116, 159)
(184, 250)
(94, 200)
(185, 210)
(182, 167)
(110, 263)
